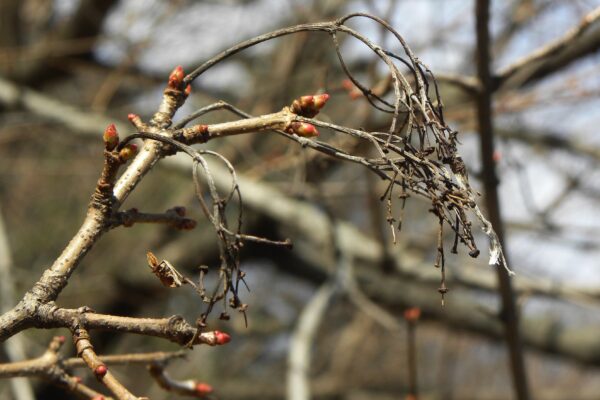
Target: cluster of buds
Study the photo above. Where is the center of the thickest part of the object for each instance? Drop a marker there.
(176, 80)
(309, 106)
(111, 142)
(303, 129)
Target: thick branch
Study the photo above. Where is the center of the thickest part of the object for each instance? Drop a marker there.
(578, 42)
(510, 316)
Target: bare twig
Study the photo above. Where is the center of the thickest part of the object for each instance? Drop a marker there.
(85, 350)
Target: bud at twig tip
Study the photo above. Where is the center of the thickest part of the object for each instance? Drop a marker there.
(304, 129)
(222, 337)
(320, 100)
(110, 137)
(203, 389)
(176, 77)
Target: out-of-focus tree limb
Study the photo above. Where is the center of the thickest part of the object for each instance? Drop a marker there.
(551, 140)
(15, 348)
(307, 221)
(578, 42)
(509, 313)
(77, 35)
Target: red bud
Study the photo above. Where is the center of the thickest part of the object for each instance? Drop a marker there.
(304, 129)
(99, 397)
(203, 389)
(77, 379)
(320, 100)
(222, 337)
(188, 90)
(132, 116)
(176, 77)
(110, 137)
(306, 101)
(100, 370)
(61, 339)
(128, 152)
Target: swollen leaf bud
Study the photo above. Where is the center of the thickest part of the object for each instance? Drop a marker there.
(110, 137)
(222, 338)
(309, 106)
(176, 77)
(128, 152)
(303, 129)
(320, 100)
(100, 370)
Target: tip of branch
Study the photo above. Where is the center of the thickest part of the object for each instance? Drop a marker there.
(110, 137)
(203, 389)
(176, 77)
(309, 106)
(303, 129)
(222, 338)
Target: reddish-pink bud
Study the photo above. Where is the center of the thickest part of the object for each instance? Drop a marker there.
(61, 339)
(176, 77)
(222, 337)
(306, 101)
(100, 370)
(128, 152)
(77, 379)
(304, 129)
(320, 100)
(188, 90)
(203, 389)
(99, 397)
(132, 116)
(110, 137)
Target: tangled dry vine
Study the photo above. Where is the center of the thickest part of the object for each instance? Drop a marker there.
(416, 156)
